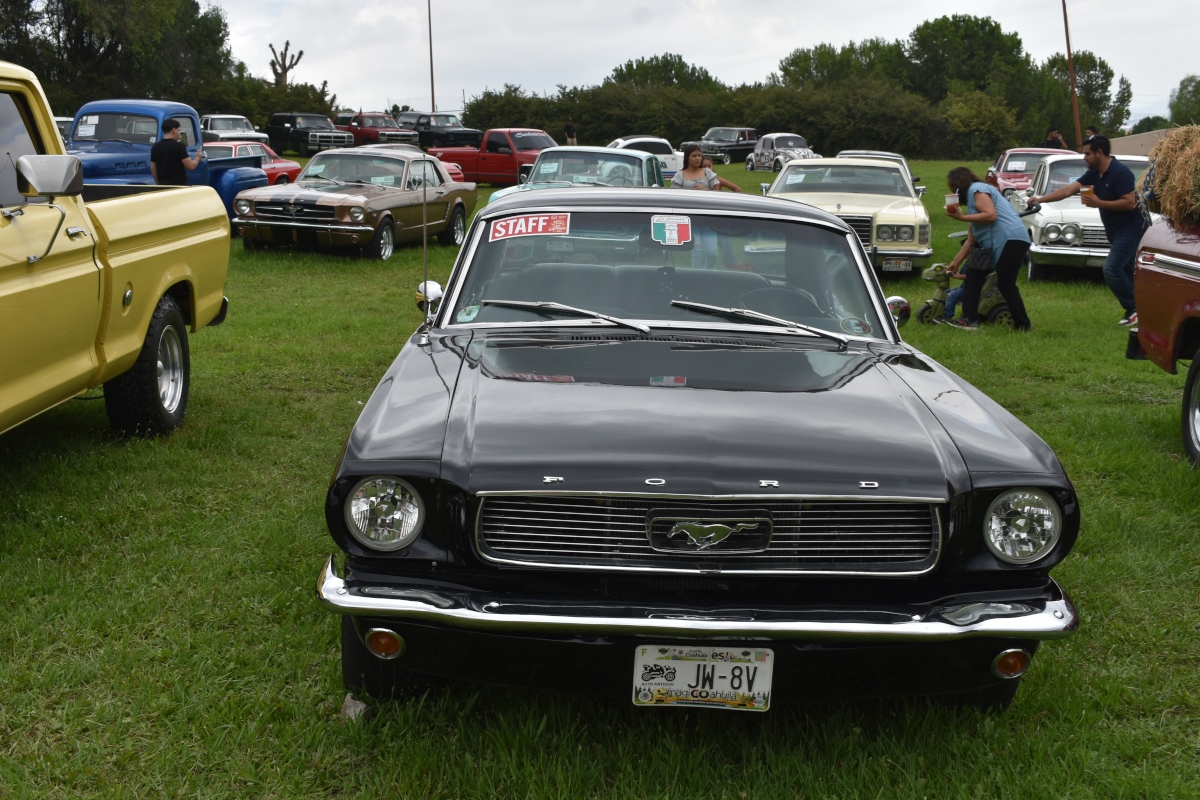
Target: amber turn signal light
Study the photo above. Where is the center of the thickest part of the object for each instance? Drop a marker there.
(384, 644)
(1011, 664)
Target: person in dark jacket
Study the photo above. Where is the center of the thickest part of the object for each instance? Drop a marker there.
(169, 159)
(1054, 140)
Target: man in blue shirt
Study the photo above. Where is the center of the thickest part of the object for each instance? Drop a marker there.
(1112, 191)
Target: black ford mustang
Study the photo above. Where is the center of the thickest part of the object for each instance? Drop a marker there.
(669, 446)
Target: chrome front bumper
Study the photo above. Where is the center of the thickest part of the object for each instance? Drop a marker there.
(1043, 619)
(916, 256)
(314, 226)
(1068, 256)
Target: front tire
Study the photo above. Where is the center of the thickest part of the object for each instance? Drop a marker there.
(365, 674)
(779, 166)
(383, 243)
(749, 165)
(456, 231)
(284, 180)
(726, 159)
(1191, 412)
(151, 398)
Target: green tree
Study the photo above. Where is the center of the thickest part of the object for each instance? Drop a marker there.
(665, 70)
(1152, 123)
(981, 124)
(966, 51)
(824, 64)
(1185, 101)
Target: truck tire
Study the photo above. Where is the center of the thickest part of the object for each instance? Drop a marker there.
(151, 398)
(456, 231)
(365, 674)
(383, 243)
(1191, 412)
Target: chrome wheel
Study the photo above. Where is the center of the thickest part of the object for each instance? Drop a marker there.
(460, 229)
(170, 369)
(387, 242)
(1191, 412)
(725, 159)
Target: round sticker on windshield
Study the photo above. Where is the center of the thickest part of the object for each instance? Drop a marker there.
(856, 326)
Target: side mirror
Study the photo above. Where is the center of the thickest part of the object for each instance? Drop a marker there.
(900, 309)
(257, 128)
(915, 178)
(921, 190)
(764, 187)
(504, 151)
(523, 178)
(429, 295)
(49, 176)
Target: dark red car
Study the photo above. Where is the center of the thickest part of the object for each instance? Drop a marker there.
(279, 170)
(373, 127)
(1014, 168)
(505, 152)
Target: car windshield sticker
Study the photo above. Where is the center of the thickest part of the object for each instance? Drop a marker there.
(550, 166)
(315, 169)
(668, 380)
(87, 130)
(671, 230)
(91, 119)
(530, 225)
(856, 326)
(384, 180)
(519, 134)
(467, 314)
(535, 378)
(1016, 166)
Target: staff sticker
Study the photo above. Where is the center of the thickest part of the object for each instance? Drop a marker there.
(530, 225)
(671, 230)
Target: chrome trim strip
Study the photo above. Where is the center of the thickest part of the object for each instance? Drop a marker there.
(1068, 250)
(1191, 267)
(863, 498)
(939, 538)
(1055, 619)
(310, 225)
(926, 253)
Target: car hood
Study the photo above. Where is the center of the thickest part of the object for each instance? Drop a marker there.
(324, 194)
(1069, 210)
(856, 204)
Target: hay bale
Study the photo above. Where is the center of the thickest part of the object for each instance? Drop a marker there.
(1171, 186)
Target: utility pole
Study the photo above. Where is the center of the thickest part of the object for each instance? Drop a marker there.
(433, 96)
(1070, 70)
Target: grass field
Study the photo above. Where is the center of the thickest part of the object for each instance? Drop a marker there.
(160, 637)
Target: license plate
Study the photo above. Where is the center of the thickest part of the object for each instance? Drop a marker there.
(897, 264)
(1096, 262)
(555, 246)
(735, 678)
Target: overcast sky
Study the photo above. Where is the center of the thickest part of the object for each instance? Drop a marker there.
(376, 51)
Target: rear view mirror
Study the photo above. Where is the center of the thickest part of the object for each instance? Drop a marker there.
(900, 310)
(429, 295)
(49, 176)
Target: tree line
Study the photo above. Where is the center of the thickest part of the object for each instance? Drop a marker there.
(957, 87)
(84, 50)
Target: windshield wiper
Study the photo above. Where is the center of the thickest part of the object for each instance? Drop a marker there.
(548, 305)
(746, 313)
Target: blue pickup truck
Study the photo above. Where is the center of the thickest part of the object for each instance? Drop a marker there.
(113, 138)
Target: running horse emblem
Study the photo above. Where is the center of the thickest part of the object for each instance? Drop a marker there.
(703, 535)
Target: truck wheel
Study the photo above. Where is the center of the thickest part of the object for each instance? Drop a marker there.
(364, 673)
(151, 398)
(726, 159)
(456, 231)
(383, 243)
(1191, 412)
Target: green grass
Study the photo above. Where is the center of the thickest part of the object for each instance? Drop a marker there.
(160, 636)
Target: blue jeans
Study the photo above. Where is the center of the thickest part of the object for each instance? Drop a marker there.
(1118, 267)
(953, 298)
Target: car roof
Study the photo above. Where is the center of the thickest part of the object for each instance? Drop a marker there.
(868, 153)
(233, 142)
(226, 116)
(843, 161)
(406, 155)
(164, 107)
(1056, 151)
(580, 148)
(777, 135)
(670, 201)
(1079, 157)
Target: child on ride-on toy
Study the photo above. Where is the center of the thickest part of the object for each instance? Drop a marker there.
(953, 297)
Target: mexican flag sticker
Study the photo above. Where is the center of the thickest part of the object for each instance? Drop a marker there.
(671, 230)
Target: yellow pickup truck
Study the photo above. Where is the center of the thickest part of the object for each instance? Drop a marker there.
(98, 284)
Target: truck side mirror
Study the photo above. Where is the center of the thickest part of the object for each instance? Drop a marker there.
(504, 151)
(49, 176)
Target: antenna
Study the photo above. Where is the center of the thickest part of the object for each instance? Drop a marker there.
(425, 234)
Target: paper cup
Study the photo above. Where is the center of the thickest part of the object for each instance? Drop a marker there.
(951, 200)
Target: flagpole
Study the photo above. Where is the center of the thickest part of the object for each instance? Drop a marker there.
(432, 95)
(1070, 69)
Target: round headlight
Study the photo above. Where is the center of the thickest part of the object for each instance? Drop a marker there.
(1052, 232)
(884, 233)
(1070, 233)
(242, 206)
(1022, 525)
(384, 513)
(905, 233)
(356, 214)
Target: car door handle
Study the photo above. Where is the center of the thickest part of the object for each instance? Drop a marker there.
(74, 231)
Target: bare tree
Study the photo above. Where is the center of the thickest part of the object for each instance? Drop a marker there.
(282, 64)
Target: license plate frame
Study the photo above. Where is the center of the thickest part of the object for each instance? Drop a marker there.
(727, 678)
(896, 265)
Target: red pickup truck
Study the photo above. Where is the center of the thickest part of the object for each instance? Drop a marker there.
(373, 127)
(505, 151)
(1166, 282)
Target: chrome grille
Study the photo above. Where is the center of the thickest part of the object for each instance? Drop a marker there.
(397, 136)
(592, 532)
(306, 212)
(330, 139)
(1094, 236)
(861, 226)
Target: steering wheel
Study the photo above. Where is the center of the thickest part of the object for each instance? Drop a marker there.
(619, 180)
(781, 301)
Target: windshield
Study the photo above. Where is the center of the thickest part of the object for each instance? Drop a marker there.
(1025, 163)
(721, 134)
(1063, 173)
(353, 168)
(376, 122)
(444, 121)
(107, 127)
(532, 140)
(789, 142)
(588, 168)
(313, 122)
(229, 124)
(801, 179)
(632, 265)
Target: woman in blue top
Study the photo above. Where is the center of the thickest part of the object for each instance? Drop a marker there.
(996, 226)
